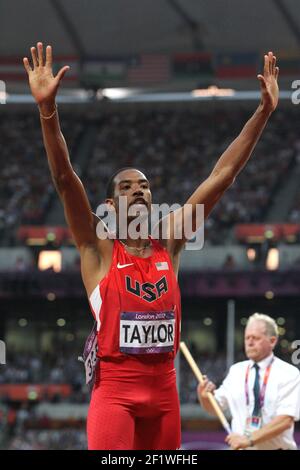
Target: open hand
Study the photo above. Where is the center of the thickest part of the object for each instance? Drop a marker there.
(42, 82)
(269, 83)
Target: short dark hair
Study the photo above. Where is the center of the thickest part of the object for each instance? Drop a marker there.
(110, 188)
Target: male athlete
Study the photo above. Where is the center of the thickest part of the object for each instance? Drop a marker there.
(132, 283)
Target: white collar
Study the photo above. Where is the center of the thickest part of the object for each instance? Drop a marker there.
(263, 364)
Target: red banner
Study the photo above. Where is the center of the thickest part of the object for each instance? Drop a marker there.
(24, 392)
(252, 233)
(41, 235)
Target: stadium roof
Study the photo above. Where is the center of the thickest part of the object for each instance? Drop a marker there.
(172, 44)
(101, 27)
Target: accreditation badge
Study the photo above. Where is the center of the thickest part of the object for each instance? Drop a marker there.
(253, 423)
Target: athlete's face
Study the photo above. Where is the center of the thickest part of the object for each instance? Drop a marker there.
(134, 186)
(258, 344)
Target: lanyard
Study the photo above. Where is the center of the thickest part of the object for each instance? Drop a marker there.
(264, 385)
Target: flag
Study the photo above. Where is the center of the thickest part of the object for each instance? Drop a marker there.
(162, 266)
(237, 65)
(101, 71)
(289, 66)
(12, 68)
(149, 69)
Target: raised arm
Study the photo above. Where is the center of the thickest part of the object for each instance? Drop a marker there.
(44, 86)
(95, 254)
(238, 153)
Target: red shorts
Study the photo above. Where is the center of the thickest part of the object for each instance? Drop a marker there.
(130, 410)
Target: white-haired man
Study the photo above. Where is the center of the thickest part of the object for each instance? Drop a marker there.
(261, 393)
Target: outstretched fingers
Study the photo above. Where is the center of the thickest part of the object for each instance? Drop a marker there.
(270, 68)
(270, 56)
(262, 80)
(48, 56)
(266, 66)
(274, 65)
(37, 56)
(34, 57)
(273, 69)
(61, 73)
(27, 65)
(40, 54)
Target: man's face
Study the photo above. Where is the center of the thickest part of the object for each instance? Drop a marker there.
(258, 345)
(134, 186)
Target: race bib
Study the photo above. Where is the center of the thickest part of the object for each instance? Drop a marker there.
(147, 332)
(89, 357)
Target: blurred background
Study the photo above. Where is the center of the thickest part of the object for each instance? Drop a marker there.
(164, 86)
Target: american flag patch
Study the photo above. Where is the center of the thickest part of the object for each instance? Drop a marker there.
(162, 266)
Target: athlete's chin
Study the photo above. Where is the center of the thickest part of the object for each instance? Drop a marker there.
(138, 207)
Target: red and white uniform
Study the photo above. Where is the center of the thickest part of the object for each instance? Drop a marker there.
(137, 307)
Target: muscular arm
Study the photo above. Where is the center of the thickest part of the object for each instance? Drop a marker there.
(69, 187)
(235, 156)
(77, 209)
(44, 86)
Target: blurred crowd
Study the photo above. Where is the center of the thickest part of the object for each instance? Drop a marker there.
(294, 213)
(56, 369)
(49, 439)
(175, 148)
(25, 426)
(214, 366)
(25, 182)
(47, 369)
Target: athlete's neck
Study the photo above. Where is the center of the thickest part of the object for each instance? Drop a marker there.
(139, 244)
